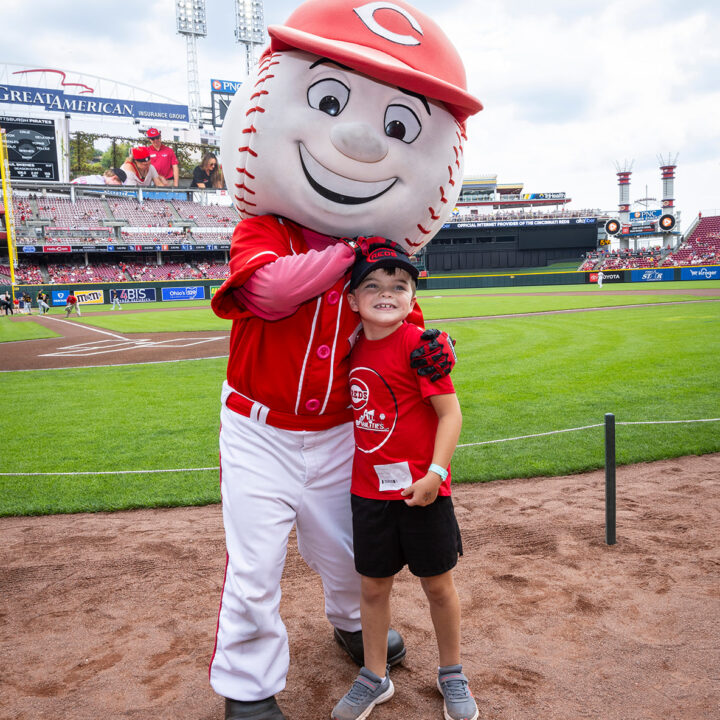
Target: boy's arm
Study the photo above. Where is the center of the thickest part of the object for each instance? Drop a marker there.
(425, 490)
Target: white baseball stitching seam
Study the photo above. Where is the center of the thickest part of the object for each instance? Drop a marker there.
(243, 201)
(435, 214)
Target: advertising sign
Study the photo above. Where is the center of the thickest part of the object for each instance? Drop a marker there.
(640, 216)
(611, 276)
(703, 273)
(63, 102)
(90, 297)
(31, 148)
(653, 275)
(225, 86)
(136, 295)
(222, 92)
(56, 248)
(544, 196)
(196, 292)
(521, 223)
(59, 297)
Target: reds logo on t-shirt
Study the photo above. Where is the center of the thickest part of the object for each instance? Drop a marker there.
(375, 409)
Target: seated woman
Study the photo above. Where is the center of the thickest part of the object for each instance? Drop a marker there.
(207, 173)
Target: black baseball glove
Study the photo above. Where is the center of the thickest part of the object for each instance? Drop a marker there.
(435, 356)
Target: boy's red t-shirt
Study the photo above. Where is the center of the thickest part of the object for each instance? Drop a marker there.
(394, 422)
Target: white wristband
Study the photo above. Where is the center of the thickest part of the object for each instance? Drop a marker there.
(441, 471)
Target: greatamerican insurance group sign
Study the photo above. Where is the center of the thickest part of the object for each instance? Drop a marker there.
(60, 101)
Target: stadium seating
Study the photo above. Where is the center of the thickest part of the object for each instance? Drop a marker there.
(206, 215)
(84, 213)
(702, 247)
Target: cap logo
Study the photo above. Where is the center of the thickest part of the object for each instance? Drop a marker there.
(376, 255)
(367, 14)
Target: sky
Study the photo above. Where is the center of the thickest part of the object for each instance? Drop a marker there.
(571, 88)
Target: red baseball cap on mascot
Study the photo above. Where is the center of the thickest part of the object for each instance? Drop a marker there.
(388, 41)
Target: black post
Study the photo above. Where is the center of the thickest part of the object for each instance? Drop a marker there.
(609, 478)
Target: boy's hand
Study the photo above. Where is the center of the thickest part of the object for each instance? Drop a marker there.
(424, 491)
(435, 355)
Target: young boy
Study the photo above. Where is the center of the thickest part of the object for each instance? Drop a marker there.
(406, 430)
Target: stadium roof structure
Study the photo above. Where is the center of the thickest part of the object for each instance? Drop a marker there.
(484, 190)
(78, 83)
(29, 90)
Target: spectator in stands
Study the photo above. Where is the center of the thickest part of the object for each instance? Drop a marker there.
(163, 158)
(113, 176)
(207, 173)
(139, 170)
(72, 304)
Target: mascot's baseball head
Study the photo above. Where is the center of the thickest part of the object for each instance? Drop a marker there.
(352, 124)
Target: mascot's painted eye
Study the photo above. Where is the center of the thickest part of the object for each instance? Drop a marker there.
(329, 96)
(401, 123)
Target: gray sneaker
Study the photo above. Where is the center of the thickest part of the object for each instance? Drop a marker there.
(459, 701)
(367, 691)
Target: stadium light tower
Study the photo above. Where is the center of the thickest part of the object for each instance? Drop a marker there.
(249, 28)
(190, 16)
(668, 163)
(624, 171)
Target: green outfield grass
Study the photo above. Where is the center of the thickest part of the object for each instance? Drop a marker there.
(11, 330)
(434, 308)
(516, 376)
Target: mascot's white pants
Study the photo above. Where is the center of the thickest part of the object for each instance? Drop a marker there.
(272, 479)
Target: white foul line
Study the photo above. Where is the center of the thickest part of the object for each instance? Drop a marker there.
(88, 327)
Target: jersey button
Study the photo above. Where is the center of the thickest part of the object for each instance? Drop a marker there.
(323, 352)
(312, 405)
(333, 297)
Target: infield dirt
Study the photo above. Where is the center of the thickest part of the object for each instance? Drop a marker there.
(113, 615)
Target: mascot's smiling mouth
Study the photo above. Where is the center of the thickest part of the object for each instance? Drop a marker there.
(337, 188)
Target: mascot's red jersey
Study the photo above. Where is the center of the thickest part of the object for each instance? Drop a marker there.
(296, 367)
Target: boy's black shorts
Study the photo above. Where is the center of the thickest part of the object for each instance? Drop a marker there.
(388, 534)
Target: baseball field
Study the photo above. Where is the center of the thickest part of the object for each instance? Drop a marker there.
(119, 411)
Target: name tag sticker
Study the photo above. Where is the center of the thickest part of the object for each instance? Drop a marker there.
(395, 476)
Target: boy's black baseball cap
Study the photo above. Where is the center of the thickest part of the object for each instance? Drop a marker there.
(381, 256)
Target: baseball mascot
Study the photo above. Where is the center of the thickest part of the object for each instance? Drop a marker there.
(351, 127)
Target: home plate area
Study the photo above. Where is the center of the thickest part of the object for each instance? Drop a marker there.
(122, 345)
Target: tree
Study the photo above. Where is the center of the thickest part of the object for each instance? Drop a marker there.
(116, 154)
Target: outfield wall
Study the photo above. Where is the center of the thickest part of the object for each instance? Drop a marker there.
(173, 290)
(645, 275)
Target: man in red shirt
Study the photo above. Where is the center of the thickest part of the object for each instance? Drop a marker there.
(163, 158)
(72, 304)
